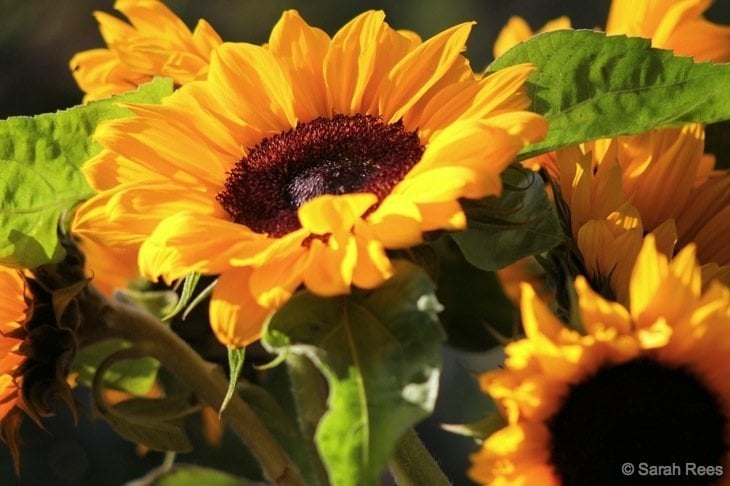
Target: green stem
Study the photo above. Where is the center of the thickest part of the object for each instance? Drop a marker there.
(412, 465)
(310, 397)
(151, 337)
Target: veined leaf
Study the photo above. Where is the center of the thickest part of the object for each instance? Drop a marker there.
(380, 352)
(591, 86)
(157, 423)
(40, 177)
(519, 223)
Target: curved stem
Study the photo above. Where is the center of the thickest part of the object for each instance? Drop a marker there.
(413, 465)
(152, 337)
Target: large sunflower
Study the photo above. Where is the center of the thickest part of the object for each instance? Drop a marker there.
(155, 43)
(649, 384)
(303, 161)
(670, 24)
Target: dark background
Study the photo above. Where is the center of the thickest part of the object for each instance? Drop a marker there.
(39, 37)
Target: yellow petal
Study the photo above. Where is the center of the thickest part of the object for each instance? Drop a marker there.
(418, 71)
(253, 84)
(129, 213)
(330, 266)
(302, 49)
(351, 61)
(373, 266)
(333, 214)
(447, 215)
(235, 317)
(470, 144)
(188, 242)
(396, 223)
(516, 30)
(649, 270)
(275, 280)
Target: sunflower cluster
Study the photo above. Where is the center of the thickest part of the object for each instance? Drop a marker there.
(303, 171)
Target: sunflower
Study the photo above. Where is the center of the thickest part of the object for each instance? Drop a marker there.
(645, 384)
(13, 309)
(670, 24)
(674, 25)
(661, 182)
(155, 43)
(304, 160)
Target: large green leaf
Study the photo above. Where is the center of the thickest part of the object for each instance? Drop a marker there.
(380, 352)
(519, 223)
(591, 86)
(40, 177)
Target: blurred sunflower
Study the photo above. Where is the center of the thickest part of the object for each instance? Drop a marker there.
(670, 24)
(155, 43)
(650, 383)
(302, 161)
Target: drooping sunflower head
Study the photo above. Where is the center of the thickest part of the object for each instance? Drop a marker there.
(13, 309)
(304, 160)
(649, 383)
(155, 42)
(36, 349)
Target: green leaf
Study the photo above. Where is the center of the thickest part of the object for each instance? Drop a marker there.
(380, 352)
(158, 423)
(200, 476)
(591, 86)
(236, 357)
(519, 223)
(134, 376)
(40, 178)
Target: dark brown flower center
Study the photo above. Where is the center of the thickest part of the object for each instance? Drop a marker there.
(641, 412)
(338, 155)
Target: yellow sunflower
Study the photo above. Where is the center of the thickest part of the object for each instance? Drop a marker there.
(155, 43)
(647, 385)
(670, 24)
(304, 160)
(13, 309)
(660, 182)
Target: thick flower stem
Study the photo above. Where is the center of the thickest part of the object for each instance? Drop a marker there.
(412, 465)
(150, 336)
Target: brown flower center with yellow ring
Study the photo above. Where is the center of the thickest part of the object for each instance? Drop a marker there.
(643, 413)
(340, 155)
